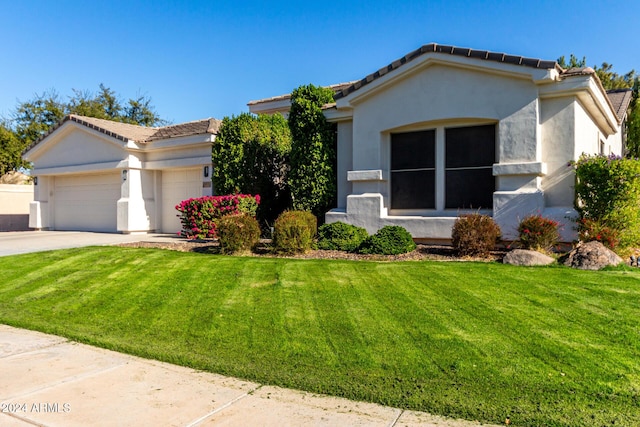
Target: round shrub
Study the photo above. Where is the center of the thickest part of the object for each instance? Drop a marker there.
(538, 233)
(389, 240)
(474, 234)
(294, 232)
(238, 232)
(339, 236)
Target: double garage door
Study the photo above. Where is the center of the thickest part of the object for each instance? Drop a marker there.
(89, 202)
(86, 202)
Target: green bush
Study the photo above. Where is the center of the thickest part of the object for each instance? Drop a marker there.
(339, 236)
(538, 233)
(294, 232)
(608, 196)
(389, 240)
(475, 234)
(238, 232)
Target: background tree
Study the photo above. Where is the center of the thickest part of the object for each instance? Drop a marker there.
(32, 119)
(313, 151)
(10, 150)
(610, 81)
(250, 156)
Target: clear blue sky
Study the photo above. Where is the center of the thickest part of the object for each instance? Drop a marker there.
(199, 59)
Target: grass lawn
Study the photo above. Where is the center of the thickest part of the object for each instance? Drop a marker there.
(544, 346)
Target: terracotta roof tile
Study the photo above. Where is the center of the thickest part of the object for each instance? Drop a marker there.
(620, 100)
(142, 134)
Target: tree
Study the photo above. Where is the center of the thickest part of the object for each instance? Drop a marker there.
(313, 151)
(610, 81)
(32, 119)
(10, 150)
(251, 155)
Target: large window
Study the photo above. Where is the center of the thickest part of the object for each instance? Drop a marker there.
(469, 156)
(413, 162)
(462, 178)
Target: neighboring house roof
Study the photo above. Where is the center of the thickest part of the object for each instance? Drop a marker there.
(452, 50)
(620, 100)
(129, 132)
(336, 88)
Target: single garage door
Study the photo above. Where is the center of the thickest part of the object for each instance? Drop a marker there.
(178, 185)
(86, 202)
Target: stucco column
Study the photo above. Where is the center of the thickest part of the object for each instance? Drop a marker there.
(132, 212)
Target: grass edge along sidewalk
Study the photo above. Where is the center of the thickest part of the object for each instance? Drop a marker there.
(480, 341)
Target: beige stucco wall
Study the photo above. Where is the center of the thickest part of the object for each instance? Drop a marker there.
(537, 135)
(14, 206)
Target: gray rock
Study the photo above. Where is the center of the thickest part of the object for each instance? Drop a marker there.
(591, 256)
(528, 258)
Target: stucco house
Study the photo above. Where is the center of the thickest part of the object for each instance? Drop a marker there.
(99, 175)
(445, 130)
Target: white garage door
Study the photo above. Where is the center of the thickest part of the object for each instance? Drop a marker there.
(86, 202)
(178, 185)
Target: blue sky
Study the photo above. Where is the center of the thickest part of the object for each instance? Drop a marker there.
(199, 59)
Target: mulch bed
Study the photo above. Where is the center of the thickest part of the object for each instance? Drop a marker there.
(422, 252)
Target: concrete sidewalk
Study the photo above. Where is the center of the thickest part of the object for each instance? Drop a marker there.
(50, 381)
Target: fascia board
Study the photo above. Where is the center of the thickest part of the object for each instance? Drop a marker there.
(177, 143)
(176, 163)
(338, 115)
(271, 107)
(590, 96)
(88, 167)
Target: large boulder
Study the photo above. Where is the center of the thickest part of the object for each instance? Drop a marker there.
(527, 258)
(591, 256)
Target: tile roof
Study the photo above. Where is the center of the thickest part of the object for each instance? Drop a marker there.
(620, 100)
(336, 88)
(143, 134)
(452, 50)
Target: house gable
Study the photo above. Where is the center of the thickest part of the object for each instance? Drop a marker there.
(75, 146)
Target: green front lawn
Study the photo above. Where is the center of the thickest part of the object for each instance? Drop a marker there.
(543, 346)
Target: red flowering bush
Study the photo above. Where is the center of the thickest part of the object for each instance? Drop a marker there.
(590, 229)
(199, 216)
(538, 233)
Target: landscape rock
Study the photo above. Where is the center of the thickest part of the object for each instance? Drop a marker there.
(527, 258)
(591, 256)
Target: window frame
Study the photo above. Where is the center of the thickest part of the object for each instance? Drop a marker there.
(440, 170)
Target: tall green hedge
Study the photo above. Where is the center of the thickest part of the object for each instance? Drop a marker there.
(313, 151)
(251, 156)
(608, 194)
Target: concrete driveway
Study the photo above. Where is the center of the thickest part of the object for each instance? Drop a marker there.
(20, 242)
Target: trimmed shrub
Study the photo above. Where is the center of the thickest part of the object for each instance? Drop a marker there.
(339, 236)
(199, 216)
(538, 233)
(594, 230)
(294, 232)
(237, 232)
(608, 197)
(475, 234)
(389, 240)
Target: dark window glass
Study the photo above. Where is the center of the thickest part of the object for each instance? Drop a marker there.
(413, 150)
(470, 146)
(469, 156)
(469, 189)
(413, 190)
(413, 170)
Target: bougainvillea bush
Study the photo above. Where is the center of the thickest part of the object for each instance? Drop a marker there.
(538, 233)
(198, 216)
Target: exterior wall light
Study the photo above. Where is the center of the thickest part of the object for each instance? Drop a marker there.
(206, 171)
(35, 180)
(124, 174)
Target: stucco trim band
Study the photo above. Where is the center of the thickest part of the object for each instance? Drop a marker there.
(366, 175)
(528, 168)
